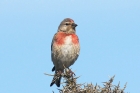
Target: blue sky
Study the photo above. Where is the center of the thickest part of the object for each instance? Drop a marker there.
(109, 33)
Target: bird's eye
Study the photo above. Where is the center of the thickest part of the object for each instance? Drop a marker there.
(67, 24)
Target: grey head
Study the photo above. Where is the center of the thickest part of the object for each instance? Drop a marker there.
(67, 25)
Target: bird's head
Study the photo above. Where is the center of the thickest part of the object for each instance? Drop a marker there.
(67, 25)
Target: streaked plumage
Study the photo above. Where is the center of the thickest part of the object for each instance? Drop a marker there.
(65, 48)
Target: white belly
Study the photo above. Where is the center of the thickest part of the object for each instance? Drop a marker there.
(68, 56)
(68, 53)
(67, 47)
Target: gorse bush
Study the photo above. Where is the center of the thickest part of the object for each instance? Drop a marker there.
(71, 86)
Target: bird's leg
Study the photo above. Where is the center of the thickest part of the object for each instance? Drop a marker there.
(70, 72)
(59, 72)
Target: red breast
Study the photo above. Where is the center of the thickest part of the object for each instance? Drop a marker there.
(61, 36)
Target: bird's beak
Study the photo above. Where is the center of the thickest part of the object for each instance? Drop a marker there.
(74, 25)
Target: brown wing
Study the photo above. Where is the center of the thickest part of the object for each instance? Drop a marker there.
(53, 69)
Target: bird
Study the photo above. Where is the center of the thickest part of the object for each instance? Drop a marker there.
(65, 48)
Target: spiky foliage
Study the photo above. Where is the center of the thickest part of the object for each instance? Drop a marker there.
(71, 86)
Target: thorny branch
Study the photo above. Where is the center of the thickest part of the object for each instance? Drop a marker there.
(71, 86)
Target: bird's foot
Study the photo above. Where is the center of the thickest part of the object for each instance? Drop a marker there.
(69, 72)
(59, 72)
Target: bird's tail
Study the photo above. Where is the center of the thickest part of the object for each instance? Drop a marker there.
(56, 80)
